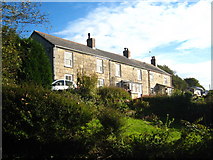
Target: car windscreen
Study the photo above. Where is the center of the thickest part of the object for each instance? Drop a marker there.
(69, 83)
(59, 83)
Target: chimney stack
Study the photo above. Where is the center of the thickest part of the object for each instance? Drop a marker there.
(126, 53)
(90, 41)
(153, 61)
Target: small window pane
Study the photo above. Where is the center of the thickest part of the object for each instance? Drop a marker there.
(99, 66)
(68, 77)
(139, 75)
(68, 59)
(118, 70)
(100, 82)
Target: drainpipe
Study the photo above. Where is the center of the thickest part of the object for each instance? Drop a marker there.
(149, 89)
(54, 62)
(110, 82)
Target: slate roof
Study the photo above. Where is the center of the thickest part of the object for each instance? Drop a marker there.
(97, 52)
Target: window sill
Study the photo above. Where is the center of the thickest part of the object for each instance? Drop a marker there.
(68, 66)
(99, 72)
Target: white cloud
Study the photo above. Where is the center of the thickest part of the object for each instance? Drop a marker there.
(142, 26)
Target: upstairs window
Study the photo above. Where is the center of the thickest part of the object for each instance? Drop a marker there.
(165, 80)
(151, 77)
(99, 66)
(68, 59)
(118, 70)
(139, 75)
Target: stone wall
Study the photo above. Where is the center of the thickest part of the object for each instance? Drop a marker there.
(87, 63)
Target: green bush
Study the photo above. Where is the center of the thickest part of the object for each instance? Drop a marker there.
(34, 116)
(179, 107)
(114, 97)
(35, 66)
(138, 106)
(87, 86)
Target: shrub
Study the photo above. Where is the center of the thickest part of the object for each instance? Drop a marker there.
(33, 59)
(111, 120)
(139, 106)
(114, 97)
(87, 85)
(38, 121)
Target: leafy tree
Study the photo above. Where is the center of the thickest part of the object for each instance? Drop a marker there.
(193, 82)
(11, 61)
(35, 66)
(166, 69)
(87, 85)
(177, 82)
(17, 15)
(23, 60)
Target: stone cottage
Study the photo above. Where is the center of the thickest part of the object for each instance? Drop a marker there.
(68, 58)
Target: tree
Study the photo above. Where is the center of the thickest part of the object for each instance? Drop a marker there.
(23, 60)
(35, 66)
(166, 69)
(17, 15)
(15, 51)
(11, 61)
(177, 82)
(193, 82)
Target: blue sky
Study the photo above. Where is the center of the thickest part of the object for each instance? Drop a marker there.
(178, 34)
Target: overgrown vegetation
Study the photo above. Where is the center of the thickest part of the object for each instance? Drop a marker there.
(39, 123)
(24, 60)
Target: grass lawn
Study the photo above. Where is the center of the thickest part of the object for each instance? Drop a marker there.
(137, 126)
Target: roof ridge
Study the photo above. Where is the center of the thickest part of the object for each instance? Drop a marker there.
(59, 38)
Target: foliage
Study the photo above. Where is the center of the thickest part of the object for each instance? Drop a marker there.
(11, 60)
(193, 82)
(18, 15)
(167, 69)
(24, 60)
(39, 117)
(111, 120)
(209, 97)
(87, 85)
(39, 123)
(179, 83)
(138, 106)
(35, 66)
(114, 97)
(178, 106)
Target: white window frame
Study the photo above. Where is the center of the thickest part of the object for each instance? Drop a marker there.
(136, 88)
(118, 70)
(68, 59)
(99, 66)
(68, 75)
(165, 80)
(139, 75)
(151, 76)
(100, 82)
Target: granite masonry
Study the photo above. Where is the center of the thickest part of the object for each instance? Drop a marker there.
(68, 58)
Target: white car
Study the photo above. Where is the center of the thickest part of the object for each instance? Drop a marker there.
(63, 84)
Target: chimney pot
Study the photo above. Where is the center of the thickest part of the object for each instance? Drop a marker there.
(126, 53)
(153, 61)
(90, 41)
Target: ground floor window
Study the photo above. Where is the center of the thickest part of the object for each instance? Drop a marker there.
(100, 82)
(68, 77)
(136, 88)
